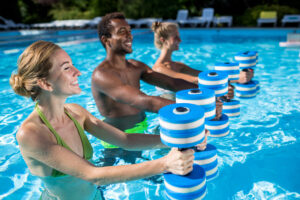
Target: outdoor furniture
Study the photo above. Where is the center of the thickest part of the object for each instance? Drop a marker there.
(94, 22)
(3, 25)
(290, 19)
(267, 17)
(131, 22)
(62, 24)
(10, 24)
(293, 40)
(223, 20)
(206, 18)
(146, 22)
(181, 18)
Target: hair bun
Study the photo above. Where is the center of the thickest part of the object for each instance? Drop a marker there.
(156, 25)
(17, 83)
(18, 80)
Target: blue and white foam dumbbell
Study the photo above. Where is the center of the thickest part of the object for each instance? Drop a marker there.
(231, 108)
(219, 128)
(191, 186)
(215, 80)
(257, 85)
(182, 125)
(208, 160)
(256, 54)
(247, 90)
(202, 97)
(246, 59)
(232, 69)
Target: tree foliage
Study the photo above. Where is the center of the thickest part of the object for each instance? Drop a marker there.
(244, 12)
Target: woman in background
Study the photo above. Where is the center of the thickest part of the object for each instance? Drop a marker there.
(167, 39)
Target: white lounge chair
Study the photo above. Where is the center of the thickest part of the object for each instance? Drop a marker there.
(10, 24)
(146, 22)
(3, 25)
(94, 22)
(206, 18)
(131, 22)
(223, 20)
(293, 40)
(181, 18)
(62, 24)
(267, 17)
(43, 25)
(290, 19)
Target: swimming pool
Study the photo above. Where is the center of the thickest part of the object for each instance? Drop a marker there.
(260, 157)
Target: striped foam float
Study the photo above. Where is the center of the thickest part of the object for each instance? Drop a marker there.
(190, 186)
(218, 128)
(231, 108)
(247, 90)
(202, 97)
(215, 80)
(208, 160)
(182, 125)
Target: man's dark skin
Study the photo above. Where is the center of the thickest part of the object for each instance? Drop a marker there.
(116, 81)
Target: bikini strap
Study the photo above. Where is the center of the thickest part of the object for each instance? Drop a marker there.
(87, 147)
(47, 123)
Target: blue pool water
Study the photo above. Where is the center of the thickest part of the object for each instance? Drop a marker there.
(260, 157)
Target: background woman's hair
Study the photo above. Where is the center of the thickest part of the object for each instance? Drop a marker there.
(33, 64)
(162, 29)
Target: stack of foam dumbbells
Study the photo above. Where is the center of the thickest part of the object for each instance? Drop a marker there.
(247, 61)
(183, 126)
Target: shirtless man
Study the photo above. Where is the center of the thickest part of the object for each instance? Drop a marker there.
(116, 81)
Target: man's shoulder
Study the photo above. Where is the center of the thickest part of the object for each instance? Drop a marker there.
(103, 66)
(102, 70)
(137, 63)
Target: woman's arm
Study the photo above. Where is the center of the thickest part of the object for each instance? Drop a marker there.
(114, 136)
(36, 146)
(187, 70)
(169, 72)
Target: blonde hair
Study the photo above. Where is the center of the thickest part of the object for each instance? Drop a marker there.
(162, 29)
(33, 64)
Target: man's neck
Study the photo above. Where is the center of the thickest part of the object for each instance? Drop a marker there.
(118, 60)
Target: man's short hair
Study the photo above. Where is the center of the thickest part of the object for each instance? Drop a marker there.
(104, 26)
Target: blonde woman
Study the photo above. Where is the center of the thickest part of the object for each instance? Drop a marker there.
(167, 39)
(52, 139)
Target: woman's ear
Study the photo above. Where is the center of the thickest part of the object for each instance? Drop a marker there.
(162, 40)
(44, 84)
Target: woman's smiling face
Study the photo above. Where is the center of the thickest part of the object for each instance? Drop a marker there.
(63, 76)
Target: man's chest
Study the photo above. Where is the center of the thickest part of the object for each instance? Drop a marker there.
(130, 77)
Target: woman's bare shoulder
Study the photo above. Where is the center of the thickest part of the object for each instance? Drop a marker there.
(30, 131)
(77, 111)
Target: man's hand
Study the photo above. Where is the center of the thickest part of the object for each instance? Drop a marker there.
(246, 75)
(230, 94)
(219, 108)
(202, 145)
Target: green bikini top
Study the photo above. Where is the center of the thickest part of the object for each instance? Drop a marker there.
(87, 147)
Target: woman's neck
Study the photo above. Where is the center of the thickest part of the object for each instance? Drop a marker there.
(165, 55)
(52, 107)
